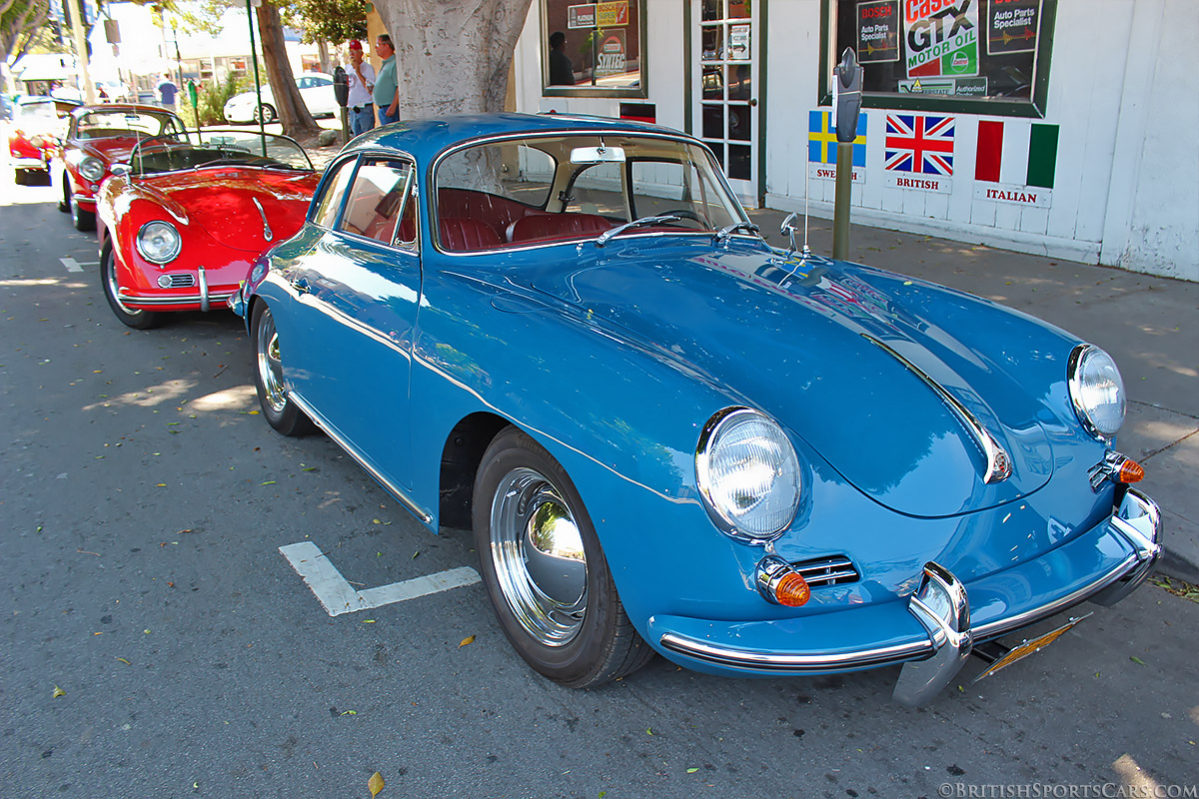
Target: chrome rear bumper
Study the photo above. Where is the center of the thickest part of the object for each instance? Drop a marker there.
(941, 605)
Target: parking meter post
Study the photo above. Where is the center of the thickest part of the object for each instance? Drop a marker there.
(847, 105)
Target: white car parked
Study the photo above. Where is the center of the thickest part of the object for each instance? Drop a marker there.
(316, 89)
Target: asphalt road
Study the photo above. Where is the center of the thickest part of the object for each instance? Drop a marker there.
(157, 644)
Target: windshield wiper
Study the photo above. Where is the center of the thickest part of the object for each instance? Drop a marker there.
(642, 222)
(728, 230)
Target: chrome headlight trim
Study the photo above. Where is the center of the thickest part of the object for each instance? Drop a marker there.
(158, 242)
(1086, 365)
(91, 168)
(786, 477)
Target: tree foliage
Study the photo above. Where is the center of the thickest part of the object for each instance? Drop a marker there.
(331, 21)
(20, 23)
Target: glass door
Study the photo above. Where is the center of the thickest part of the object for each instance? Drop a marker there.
(725, 77)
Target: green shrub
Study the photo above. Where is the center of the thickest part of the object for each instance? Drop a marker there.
(210, 101)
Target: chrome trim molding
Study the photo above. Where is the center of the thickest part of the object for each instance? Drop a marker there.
(266, 226)
(178, 299)
(392, 488)
(999, 463)
(792, 663)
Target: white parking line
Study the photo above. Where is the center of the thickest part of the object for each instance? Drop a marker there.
(337, 596)
(75, 266)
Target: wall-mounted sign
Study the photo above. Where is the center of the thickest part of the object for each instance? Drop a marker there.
(822, 147)
(950, 87)
(878, 31)
(941, 38)
(919, 152)
(613, 14)
(580, 16)
(1012, 26)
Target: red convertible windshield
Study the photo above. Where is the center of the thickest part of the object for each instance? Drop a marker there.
(217, 148)
(109, 124)
(553, 188)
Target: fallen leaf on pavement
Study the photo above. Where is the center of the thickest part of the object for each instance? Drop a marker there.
(375, 784)
(470, 639)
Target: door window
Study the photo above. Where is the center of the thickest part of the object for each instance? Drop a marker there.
(330, 201)
(379, 198)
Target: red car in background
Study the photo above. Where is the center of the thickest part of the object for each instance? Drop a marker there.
(33, 136)
(184, 220)
(97, 137)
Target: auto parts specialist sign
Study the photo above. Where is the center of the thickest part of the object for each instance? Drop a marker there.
(941, 38)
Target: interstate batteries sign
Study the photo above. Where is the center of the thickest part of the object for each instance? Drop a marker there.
(941, 38)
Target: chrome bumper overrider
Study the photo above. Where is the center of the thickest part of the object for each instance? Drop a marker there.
(942, 607)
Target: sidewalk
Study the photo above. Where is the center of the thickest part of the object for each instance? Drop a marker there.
(1150, 325)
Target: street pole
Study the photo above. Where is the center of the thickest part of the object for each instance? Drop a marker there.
(257, 79)
(847, 104)
(77, 33)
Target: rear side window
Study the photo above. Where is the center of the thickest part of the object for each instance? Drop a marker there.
(379, 198)
(330, 201)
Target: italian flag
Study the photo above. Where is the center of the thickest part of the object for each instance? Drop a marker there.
(1016, 152)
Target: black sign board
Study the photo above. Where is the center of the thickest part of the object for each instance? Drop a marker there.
(878, 31)
(1012, 26)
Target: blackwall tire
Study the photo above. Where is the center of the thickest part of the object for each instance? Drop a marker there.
(131, 317)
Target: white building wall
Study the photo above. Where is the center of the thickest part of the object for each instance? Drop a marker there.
(1121, 90)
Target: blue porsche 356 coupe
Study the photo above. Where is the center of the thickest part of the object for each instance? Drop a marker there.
(565, 334)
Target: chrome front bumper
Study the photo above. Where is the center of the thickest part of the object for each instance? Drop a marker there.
(204, 299)
(941, 605)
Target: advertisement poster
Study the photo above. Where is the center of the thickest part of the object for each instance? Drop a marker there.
(941, 37)
(613, 14)
(582, 16)
(610, 56)
(878, 31)
(1012, 26)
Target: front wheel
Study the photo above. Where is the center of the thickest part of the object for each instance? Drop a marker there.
(132, 317)
(545, 571)
(278, 408)
(264, 114)
(81, 219)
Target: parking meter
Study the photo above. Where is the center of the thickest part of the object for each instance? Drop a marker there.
(341, 86)
(847, 96)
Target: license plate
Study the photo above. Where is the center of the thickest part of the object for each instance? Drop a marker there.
(1028, 647)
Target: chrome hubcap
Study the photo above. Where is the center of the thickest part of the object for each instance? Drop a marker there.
(113, 288)
(270, 364)
(538, 555)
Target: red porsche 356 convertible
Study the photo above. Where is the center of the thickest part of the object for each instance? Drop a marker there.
(182, 222)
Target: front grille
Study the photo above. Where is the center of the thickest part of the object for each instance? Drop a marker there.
(179, 280)
(833, 570)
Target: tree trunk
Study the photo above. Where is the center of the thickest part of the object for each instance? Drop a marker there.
(293, 114)
(322, 53)
(453, 60)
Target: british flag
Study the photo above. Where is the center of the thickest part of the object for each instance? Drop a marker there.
(922, 144)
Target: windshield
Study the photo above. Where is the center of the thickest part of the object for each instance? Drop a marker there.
(207, 148)
(37, 112)
(518, 192)
(109, 124)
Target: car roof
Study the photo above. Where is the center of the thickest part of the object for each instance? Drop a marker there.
(425, 138)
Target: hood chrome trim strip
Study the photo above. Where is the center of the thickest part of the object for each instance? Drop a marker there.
(999, 463)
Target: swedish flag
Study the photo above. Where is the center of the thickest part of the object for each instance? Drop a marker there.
(822, 139)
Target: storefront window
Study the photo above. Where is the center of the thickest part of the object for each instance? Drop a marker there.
(593, 49)
(978, 56)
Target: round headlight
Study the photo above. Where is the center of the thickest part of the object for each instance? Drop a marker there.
(748, 474)
(158, 242)
(1096, 390)
(91, 168)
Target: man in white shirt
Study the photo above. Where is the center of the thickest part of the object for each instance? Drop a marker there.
(361, 77)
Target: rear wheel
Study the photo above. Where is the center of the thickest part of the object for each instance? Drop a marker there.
(64, 202)
(132, 317)
(278, 408)
(544, 570)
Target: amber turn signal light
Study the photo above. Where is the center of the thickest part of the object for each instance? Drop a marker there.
(1130, 472)
(792, 590)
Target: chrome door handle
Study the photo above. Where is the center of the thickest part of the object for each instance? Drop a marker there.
(300, 284)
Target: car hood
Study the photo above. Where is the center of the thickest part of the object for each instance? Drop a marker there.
(111, 150)
(226, 202)
(867, 379)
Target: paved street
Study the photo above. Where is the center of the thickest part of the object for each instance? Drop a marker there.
(156, 643)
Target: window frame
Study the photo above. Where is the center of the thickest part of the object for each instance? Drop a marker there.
(638, 92)
(1034, 106)
(411, 199)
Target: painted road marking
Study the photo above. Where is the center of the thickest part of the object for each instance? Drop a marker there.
(74, 266)
(337, 596)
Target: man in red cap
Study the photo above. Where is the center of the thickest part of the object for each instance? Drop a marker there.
(361, 78)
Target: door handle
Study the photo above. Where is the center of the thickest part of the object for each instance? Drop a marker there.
(300, 284)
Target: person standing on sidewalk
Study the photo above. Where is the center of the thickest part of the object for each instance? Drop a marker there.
(361, 79)
(387, 89)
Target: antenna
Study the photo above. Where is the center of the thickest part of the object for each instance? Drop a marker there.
(807, 175)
